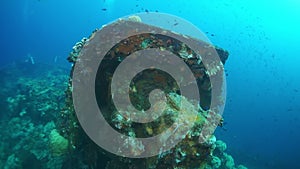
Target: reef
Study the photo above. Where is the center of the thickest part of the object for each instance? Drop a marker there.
(39, 127)
(32, 98)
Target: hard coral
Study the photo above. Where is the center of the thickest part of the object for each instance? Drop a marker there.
(58, 144)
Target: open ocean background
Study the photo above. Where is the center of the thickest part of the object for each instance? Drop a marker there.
(262, 112)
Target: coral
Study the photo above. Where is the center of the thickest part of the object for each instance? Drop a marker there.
(76, 49)
(32, 98)
(226, 160)
(135, 18)
(58, 144)
(36, 92)
(215, 162)
(229, 162)
(221, 146)
(25, 137)
(211, 141)
(13, 162)
(2, 154)
(220, 159)
(241, 167)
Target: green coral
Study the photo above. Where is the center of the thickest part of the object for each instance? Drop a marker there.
(229, 162)
(220, 145)
(13, 162)
(220, 159)
(58, 144)
(32, 98)
(215, 162)
(241, 167)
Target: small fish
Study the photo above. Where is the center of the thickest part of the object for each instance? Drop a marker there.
(175, 24)
(55, 59)
(273, 56)
(146, 10)
(104, 9)
(224, 129)
(223, 126)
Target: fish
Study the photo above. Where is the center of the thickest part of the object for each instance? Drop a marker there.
(104, 9)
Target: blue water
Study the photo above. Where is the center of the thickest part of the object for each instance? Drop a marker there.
(263, 84)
